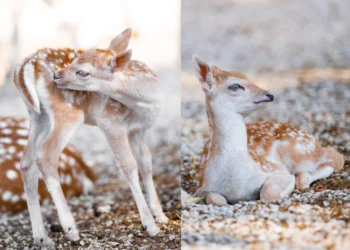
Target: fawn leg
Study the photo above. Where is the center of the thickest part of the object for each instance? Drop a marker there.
(30, 175)
(118, 140)
(277, 186)
(143, 156)
(47, 162)
(304, 179)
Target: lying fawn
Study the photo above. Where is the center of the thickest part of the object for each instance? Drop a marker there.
(56, 113)
(262, 159)
(76, 176)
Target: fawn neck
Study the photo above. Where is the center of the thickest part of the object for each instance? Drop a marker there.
(229, 134)
(132, 92)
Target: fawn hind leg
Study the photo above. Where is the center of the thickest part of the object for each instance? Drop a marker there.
(277, 186)
(143, 156)
(30, 174)
(47, 161)
(119, 142)
(304, 179)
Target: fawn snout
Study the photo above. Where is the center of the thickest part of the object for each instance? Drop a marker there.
(265, 97)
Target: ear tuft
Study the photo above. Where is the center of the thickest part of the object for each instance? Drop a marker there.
(120, 62)
(203, 72)
(121, 42)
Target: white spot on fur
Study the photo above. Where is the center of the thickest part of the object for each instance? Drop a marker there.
(17, 165)
(6, 196)
(11, 174)
(23, 196)
(62, 165)
(63, 157)
(71, 55)
(14, 198)
(6, 140)
(11, 150)
(22, 142)
(7, 131)
(22, 132)
(72, 161)
(68, 179)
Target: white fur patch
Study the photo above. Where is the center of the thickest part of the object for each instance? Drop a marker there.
(11, 174)
(6, 196)
(6, 140)
(22, 132)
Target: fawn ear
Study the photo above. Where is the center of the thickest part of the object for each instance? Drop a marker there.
(121, 42)
(119, 62)
(204, 74)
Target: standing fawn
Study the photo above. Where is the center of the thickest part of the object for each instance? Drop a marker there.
(262, 159)
(75, 176)
(56, 113)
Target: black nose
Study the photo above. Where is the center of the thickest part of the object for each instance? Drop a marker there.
(271, 97)
(57, 75)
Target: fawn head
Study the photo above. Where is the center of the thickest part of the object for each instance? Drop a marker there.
(229, 90)
(94, 67)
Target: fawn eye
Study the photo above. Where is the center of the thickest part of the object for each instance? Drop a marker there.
(82, 73)
(235, 87)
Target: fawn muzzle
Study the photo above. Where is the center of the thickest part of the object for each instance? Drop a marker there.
(267, 97)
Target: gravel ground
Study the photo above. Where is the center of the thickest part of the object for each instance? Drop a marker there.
(317, 218)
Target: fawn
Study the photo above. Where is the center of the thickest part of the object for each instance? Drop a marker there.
(76, 176)
(56, 113)
(262, 159)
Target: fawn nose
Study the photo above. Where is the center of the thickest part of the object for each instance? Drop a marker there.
(57, 75)
(271, 97)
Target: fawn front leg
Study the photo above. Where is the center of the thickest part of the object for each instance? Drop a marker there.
(30, 175)
(47, 162)
(118, 140)
(304, 179)
(143, 156)
(277, 186)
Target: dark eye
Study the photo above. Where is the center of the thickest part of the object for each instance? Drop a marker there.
(235, 87)
(82, 73)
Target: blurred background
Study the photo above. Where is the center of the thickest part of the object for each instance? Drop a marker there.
(276, 40)
(300, 51)
(28, 25)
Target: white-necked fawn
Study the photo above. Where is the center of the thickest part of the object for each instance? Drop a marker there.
(56, 112)
(265, 160)
(76, 176)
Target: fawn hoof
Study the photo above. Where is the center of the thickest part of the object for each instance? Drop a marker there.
(302, 181)
(216, 199)
(152, 229)
(44, 242)
(162, 219)
(73, 234)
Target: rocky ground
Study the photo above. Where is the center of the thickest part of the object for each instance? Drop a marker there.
(317, 218)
